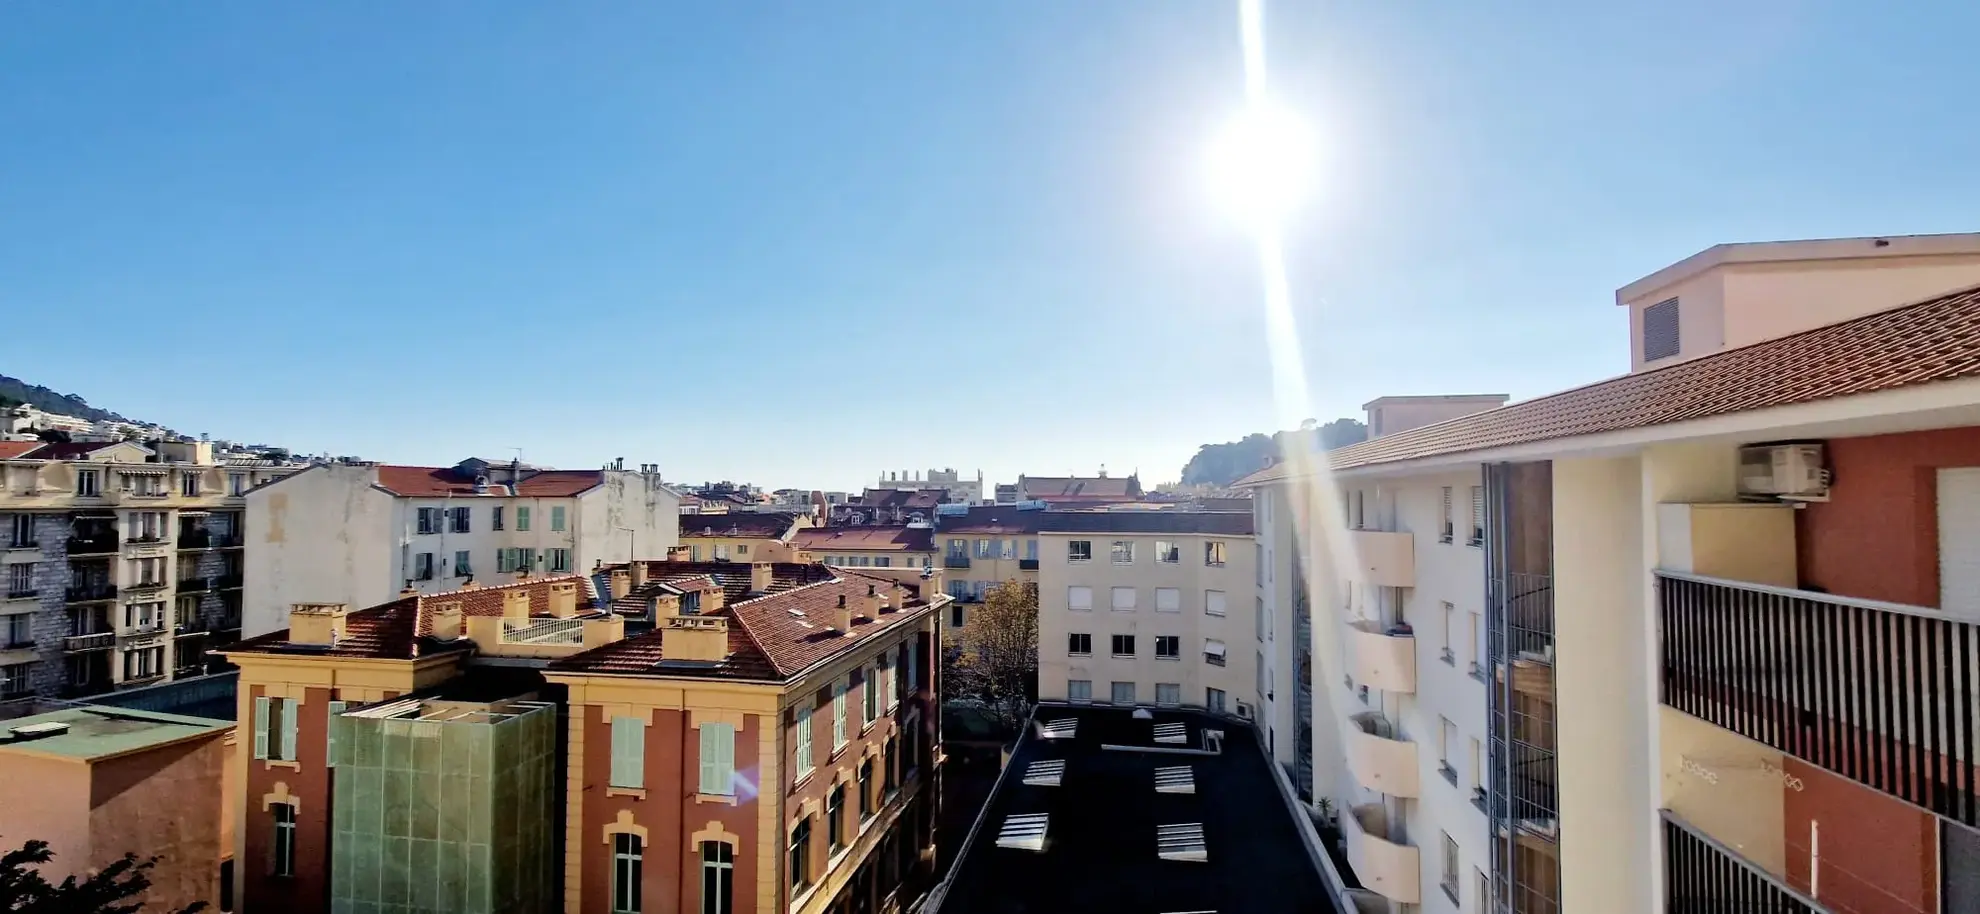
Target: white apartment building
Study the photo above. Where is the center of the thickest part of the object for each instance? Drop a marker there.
(1151, 607)
(120, 563)
(363, 533)
(961, 490)
(1705, 636)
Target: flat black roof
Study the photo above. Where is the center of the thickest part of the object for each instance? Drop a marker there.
(1100, 848)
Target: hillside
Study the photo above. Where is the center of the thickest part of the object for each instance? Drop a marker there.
(14, 391)
(1223, 464)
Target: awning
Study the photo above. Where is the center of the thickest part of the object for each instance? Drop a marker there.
(144, 471)
(1214, 648)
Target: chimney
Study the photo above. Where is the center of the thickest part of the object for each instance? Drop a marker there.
(317, 623)
(639, 571)
(619, 582)
(694, 639)
(445, 620)
(515, 604)
(761, 576)
(842, 617)
(897, 597)
(564, 599)
(679, 553)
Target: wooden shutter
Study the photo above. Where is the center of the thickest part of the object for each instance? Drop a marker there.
(261, 728)
(1959, 540)
(718, 758)
(330, 734)
(286, 711)
(628, 752)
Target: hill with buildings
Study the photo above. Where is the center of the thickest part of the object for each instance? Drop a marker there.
(14, 392)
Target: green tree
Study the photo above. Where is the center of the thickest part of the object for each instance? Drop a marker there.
(996, 657)
(109, 890)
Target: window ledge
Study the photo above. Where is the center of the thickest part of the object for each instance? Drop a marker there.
(637, 793)
(1171, 659)
(290, 764)
(837, 751)
(1087, 654)
(803, 778)
(1449, 773)
(725, 799)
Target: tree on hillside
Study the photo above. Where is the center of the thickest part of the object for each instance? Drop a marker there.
(52, 436)
(1341, 433)
(109, 890)
(996, 657)
(1222, 464)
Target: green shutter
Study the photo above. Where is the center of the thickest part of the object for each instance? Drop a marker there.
(287, 711)
(628, 752)
(718, 758)
(261, 728)
(330, 734)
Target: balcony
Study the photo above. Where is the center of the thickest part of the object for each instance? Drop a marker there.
(1382, 658)
(1381, 859)
(1383, 558)
(1378, 759)
(195, 585)
(145, 587)
(91, 593)
(1532, 676)
(131, 682)
(101, 544)
(225, 541)
(1027, 564)
(145, 539)
(27, 544)
(1857, 687)
(95, 641)
(145, 629)
(195, 539)
(955, 560)
(1701, 874)
(227, 581)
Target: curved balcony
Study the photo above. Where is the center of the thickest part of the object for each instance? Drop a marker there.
(1382, 658)
(1379, 857)
(1378, 760)
(1383, 558)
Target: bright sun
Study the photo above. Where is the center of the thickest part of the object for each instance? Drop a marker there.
(1260, 164)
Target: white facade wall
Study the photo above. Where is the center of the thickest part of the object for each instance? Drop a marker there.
(1237, 629)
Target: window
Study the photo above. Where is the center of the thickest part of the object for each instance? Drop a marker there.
(285, 838)
(887, 683)
(718, 871)
(627, 878)
(718, 759)
(275, 729)
(88, 484)
(1259, 625)
(956, 615)
(20, 579)
(1477, 516)
(1079, 598)
(1477, 764)
(462, 567)
(560, 560)
(1168, 693)
(1484, 890)
(884, 561)
(1031, 550)
(870, 690)
(628, 753)
(1123, 645)
(20, 531)
(1214, 699)
(1123, 598)
(1168, 600)
(237, 484)
(1448, 531)
(459, 520)
(522, 518)
(17, 630)
(1477, 628)
(801, 855)
(143, 615)
(1447, 742)
(189, 484)
(1079, 690)
(1357, 510)
(1078, 644)
(422, 566)
(1661, 339)
(1214, 553)
(838, 716)
(1213, 602)
(1260, 672)
(913, 666)
(429, 520)
(14, 679)
(330, 732)
(1123, 552)
(1451, 869)
(1213, 652)
(525, 558)
(1079, 551)
(1123, 693)
(866, 790)
(1168, 647)
(1168, 553)
(495, 518)
(721, 552)
(835, 818)
(557, 519)
(983, 549)
(958, 549)
(805, 762)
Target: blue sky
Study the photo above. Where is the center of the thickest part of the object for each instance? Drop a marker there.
(801, 243)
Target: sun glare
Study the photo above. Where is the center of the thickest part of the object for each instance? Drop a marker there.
(1261, 163)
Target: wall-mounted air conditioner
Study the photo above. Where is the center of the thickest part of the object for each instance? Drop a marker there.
(1783, 472)
(1244, 710)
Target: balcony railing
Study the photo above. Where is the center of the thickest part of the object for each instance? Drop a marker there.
(955, 560)
(1378, 759)
(195, 539)
(94, 641)
(195, 584)
(90, 593)
(1027, 564)
(1700, 874)
(148, 628)
(144, 586)
(547, 631)
(92, 545)
(145, 539)
(1879, 693)
(227, 581)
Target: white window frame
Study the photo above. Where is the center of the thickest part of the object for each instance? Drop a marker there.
(282, 860)
(1168, 552)
(628, 872)
(806, 760)
(1114, 692)
(1079, 690)
(1073, 551)
(1168, 599)
(839, 729)
(1173, 691)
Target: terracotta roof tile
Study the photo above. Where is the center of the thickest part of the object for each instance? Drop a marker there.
(402, 628)
(440, 481)
(12, 449)
(868, 538)
(1937, 340)
(738, 524)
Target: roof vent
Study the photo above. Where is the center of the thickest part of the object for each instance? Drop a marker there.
(1179, 779)
(41, 730)
(1046, 773)
(1027, 832)
(1060, 729)
(1171, 733)
(1143, 714)
(1213, 741)
(1181, 842)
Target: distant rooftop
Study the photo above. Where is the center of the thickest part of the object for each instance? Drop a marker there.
(1077, 824)
(95, 732)
(1206, 523)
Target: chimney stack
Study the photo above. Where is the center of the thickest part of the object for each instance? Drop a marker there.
(619, 582)
(694, 639)
(445, 620)
(842, 616)
(320, 624)
(679, 553)
(639, 571)
(515, 604)
(564, 599)
(761, 576)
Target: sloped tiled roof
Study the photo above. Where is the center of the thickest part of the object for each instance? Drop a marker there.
(61, 450)
(991, 519)
(868, 538)
(440, 481)
(11, 449)
(1048, 488)
(401, 629)
(905, 499)
(738, 524)
(1937, 340)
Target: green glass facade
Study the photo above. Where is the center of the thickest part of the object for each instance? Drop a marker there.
(444, 808)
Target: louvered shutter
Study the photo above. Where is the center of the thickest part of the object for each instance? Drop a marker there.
(330, 734)
(628, 752)
(1959, 541)
(286, 711)
(261, 728)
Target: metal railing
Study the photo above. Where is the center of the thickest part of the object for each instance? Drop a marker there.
(226, 581)
(1703, 875)
(89, 593)
(195, 584)
(955, 560)
(94, 641)
(1883, 694)
(195, 539)
(547, 631)
(92, 545)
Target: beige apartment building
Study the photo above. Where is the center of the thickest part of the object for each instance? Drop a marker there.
(122, 563)
(360, 534)
(1150, 607)
(983, 547)
(1716, 622)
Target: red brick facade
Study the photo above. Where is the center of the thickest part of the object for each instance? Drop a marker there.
(1878, 536)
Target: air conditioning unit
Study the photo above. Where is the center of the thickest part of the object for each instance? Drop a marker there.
(1783, 472)
(1244, 710)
